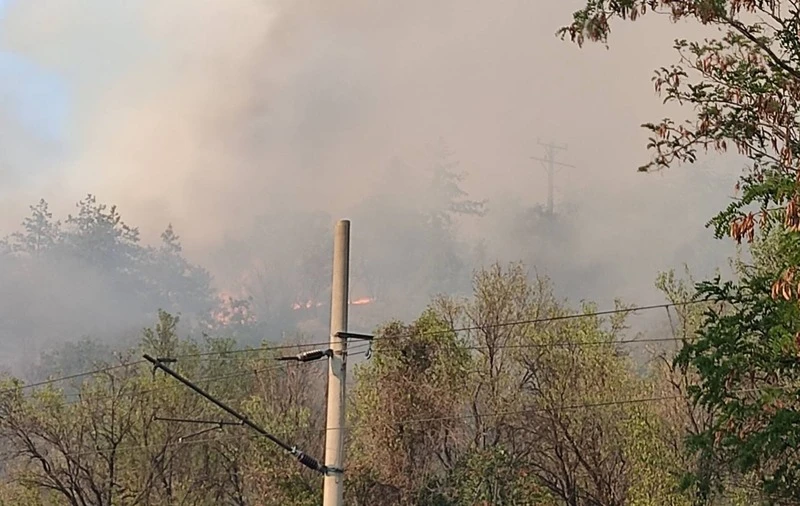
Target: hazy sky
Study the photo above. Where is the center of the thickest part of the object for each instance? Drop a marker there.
(33, 119)
(207, 113)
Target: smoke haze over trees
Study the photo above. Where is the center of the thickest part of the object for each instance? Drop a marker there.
(89, 275)
(208, 151)
(251, 128)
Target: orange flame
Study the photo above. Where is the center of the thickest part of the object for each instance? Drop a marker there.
(310, 303)
(362, 301)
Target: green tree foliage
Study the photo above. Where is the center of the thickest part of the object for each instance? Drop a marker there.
(679, 418)
(106, 444)
(507, 397)
(501, 414)
(747, 366)
(404, 427)
(743, 88)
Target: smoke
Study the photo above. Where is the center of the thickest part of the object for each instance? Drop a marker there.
(215, 115)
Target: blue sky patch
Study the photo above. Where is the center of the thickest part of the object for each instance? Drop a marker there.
(36, 98)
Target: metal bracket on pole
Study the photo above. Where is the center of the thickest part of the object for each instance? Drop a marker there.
(162, 360)
(361, 337)
(353, 335)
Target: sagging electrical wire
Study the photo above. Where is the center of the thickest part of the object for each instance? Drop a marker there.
(461, 329)
(302, 457)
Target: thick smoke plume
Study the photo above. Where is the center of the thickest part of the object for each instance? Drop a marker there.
(251, 125)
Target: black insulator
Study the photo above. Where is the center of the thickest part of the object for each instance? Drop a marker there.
(312, 355)
(309, 462)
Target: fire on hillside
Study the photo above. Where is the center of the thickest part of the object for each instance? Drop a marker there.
(297, 306)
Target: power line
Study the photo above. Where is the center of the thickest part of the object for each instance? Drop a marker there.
(250, 350)
(425, 420)
(478, 327)
(459, 329)
(301, 456)
(95, 372)
(72, 376)
(567, 344)
(568, 407)
(545, 319)
(414, 334)
(179, 442)
(206, 379)
(195, 421)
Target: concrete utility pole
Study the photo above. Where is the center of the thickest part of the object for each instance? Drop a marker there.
(549, 162)
(333, 485)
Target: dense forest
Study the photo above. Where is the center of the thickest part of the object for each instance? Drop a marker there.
(534, 405)
(501, 391)
(91, 276)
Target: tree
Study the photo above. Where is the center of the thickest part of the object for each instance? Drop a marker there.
(447, 199)
(283, 281)
(405, 428)
(510, 397)
(73, 357)
(108, 440)
(93, 263)
(679, 419)
(408, 234)
(550, 382)
(98, 235)
(512, 411)
(747, 367)
(744, 91)
(40, 234)
(172, 282)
